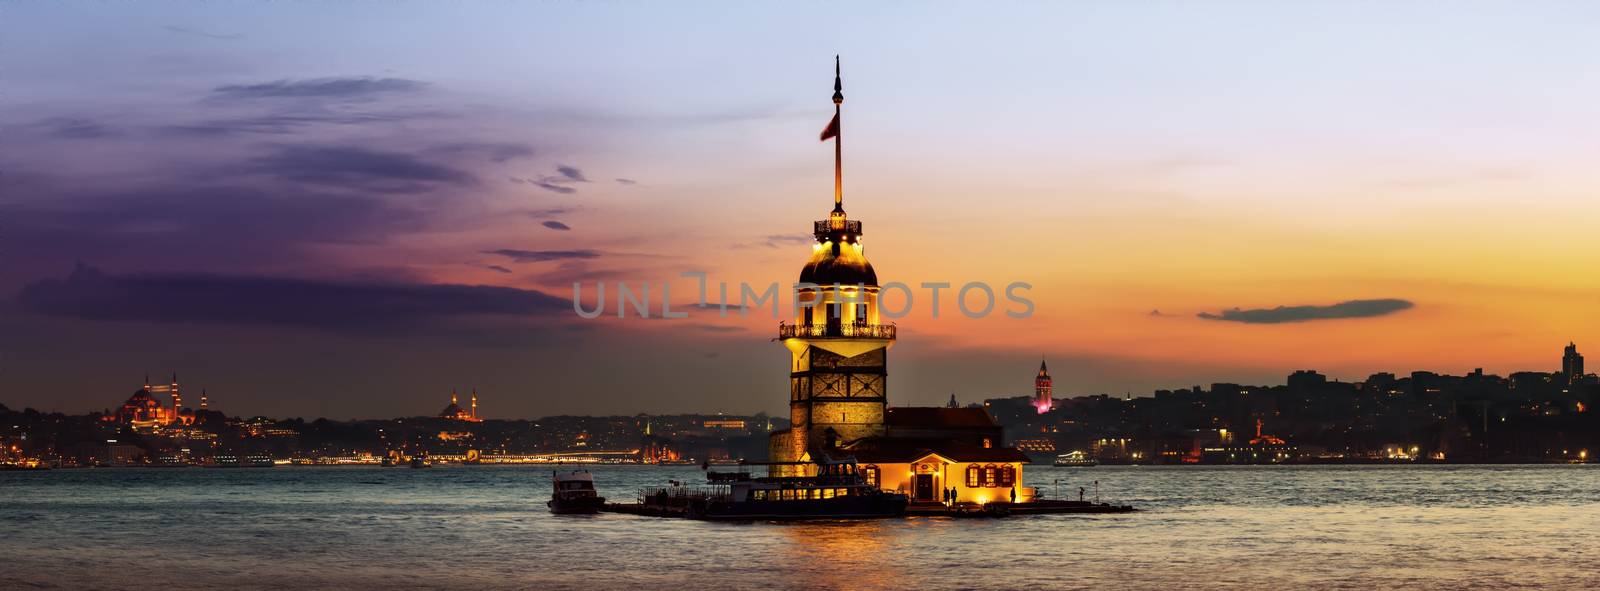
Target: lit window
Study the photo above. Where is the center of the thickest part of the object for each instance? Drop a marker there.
(1008, 476)
(974, 477)
(988, 476)
(870, 475)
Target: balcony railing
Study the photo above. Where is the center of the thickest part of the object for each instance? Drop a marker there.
(843, 330)
(824, 227)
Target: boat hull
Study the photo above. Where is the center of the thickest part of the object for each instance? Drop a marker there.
(576, 506)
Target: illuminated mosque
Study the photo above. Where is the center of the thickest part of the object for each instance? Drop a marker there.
(145, 412)
(455, 412)
(838, 382)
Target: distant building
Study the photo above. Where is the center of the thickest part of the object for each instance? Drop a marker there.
(1305, 380)
(1262, 449)
(456, 413)
(1571, 364)
(145, 412)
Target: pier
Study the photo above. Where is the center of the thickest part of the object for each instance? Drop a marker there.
(678, 507)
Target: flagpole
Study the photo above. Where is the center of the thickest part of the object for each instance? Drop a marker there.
(838, 140)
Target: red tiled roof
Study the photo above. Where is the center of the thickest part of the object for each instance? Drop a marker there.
(897, 450)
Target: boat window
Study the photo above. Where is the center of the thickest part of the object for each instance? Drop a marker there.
(843, 492)
(759, 495)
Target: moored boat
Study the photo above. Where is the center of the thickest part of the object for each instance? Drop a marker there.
(573, 492)
(838, 491)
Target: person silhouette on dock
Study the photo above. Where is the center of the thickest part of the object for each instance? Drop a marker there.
(1013, 494)
(1080, 494)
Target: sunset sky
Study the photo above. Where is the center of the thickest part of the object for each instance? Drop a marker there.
(347, 210)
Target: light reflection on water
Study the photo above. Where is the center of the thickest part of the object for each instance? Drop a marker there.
(486, 527)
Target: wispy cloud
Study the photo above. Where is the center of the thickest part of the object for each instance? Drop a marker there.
(551, 184)
(539, 256)
(571, 173)
(1283, 314)
(493, 151)
(182, 30)
(549, 211)
(627, 182)
(555, 225)
(778, 241)
(357, 167)
(73, 128)
(557, 183)
(345, 87)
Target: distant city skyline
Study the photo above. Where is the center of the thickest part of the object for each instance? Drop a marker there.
(1041, 396)
(324, 210)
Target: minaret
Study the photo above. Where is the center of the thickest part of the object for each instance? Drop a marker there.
(1043, 393)
(203, 399)
(474, 404)
(177, 399)
(838, 371)
(452, 396)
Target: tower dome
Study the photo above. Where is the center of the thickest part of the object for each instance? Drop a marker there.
(837, 258)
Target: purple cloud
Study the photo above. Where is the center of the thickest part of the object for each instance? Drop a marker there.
(357, 167)
(571, 173)
(345, 87)
(539, 256)
(91, 294)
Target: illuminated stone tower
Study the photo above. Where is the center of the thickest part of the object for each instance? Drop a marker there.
(838, 372)
(474, 404)
(1043, 392)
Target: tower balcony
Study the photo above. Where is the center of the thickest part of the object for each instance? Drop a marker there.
(840, 331)
(822, 229)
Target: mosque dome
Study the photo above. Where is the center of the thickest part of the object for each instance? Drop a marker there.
(142, 399)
